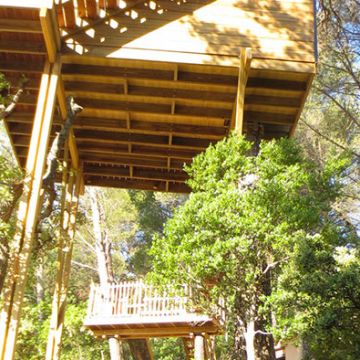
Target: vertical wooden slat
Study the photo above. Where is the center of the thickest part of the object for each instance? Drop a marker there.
(69, 13)
(81, 8)
(112, 4)
(91, 9)
(48, 31)
(60, 16)
(237, 119)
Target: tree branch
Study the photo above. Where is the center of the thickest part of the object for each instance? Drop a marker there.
(6, 111)
(329, 139)
(84, 266)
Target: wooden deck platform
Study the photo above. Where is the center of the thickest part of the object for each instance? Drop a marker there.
(158, 80)
(134, 310)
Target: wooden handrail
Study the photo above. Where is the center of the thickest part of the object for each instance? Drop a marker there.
(135, 298)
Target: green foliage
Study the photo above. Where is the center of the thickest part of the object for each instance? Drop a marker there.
(4, 89)
(168, 349)
(77, 342)
(152, 211)
(248, 214)
(318, 296)
(9, 175)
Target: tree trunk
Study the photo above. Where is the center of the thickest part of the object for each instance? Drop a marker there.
(199, 348)
(239, 352)
(4, 258)
(250, 340)
(139, 348)
(6, 214)
(115, 349)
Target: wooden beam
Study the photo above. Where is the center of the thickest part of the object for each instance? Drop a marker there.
(151, 185)
(22, 47)
(169, 331)
(34, 4)
(102, 137)
(237, 119)
(138, 173)
(91, 9)
(64, 265)
(16, 66)
(303, 100)
(22, 26)
(28, 213)
(49, 34)
(96, 20)
(107, 149)
(52, 39)
(69, 14)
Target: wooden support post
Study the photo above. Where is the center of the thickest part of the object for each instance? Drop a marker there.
(199, 347)
(28, 212)
(72, 190)
(237, 118)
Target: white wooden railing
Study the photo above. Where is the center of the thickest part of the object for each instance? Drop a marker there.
(135, 298)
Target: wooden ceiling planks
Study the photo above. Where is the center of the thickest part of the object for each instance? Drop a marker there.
(143, 120)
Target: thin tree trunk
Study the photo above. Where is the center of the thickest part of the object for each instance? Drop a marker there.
(239, 352)
(115, 349)
(102, 257)
(139, 348)
(250, 338)
(4, 241)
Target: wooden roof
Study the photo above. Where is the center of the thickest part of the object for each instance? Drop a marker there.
(144, 118)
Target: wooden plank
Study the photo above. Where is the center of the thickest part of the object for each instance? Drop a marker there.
(49, 35)
(60, 16)
(158, 332)
(67, 194)
(27, 213)
(147, 127)
(107, 149)
(64, 267)
(132, 91)
(96, 94)
(91, 24)
(23, 26)
(138, 173)
(152, 84)
(16, 66)
(81, 8)
(22, 47)
(91, 9)
(157, 108)
(237, 119)
(149, 65)
(131, 160)
(35, 4)
(140, 139)
(303, 100)
(69, 14)
(112, 4)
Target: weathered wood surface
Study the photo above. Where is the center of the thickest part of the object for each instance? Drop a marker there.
(205, 31)
(137, 310)
(144, 119)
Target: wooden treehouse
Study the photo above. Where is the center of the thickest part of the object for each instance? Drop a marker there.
(159, 80)
(135, 310)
